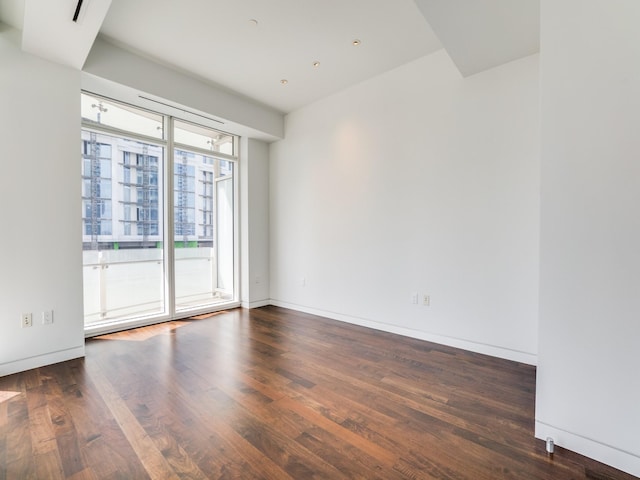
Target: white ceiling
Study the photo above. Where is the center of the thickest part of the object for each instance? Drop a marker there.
(217, 41)
(42, 34)
(12, 12)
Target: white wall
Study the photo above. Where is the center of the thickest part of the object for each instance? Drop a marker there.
(40, 241)
(40, 214)
(588, 393)
(415, 181)
(254, 226)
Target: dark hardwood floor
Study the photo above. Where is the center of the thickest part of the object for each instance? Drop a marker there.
(276, 394)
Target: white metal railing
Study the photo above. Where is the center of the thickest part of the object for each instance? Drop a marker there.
(121, 284)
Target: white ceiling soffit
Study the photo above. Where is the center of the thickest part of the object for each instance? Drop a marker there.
(481, 34)
(49, 31)
(250, 46)
(12, 12)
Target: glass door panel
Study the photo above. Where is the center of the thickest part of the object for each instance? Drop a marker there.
(146, 175)
(123, 256)
(197, 232)
(224, 224)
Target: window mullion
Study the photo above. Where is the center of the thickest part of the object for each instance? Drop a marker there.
(170, 218)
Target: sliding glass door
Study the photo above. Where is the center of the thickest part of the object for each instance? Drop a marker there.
(201, 216)
(155, 245)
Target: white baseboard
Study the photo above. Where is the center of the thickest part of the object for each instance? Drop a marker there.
(41, 360)
(259, 303)
(620, 459)
(491, 350)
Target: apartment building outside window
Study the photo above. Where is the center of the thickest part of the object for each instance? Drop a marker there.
(126, 204)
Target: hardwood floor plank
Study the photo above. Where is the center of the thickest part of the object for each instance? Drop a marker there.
(86, 474)
(101, 441)
(176, 456)
(202, 441)
(420, 426)
(304, 408)
(289, 455)
(154, 462)
(221, 452)
(48, 465)
(4, 419)
(274, 394)
(43, 437)
(58, 422)
(18, 440)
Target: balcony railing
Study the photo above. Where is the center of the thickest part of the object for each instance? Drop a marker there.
(124, 284)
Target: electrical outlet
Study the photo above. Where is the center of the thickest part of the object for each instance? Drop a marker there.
(26, 320)
(426, 300)
(414, 298)
(47, 317)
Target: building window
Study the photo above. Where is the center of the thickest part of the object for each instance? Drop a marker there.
(96, 188)
(140, 183)
(125, 168)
